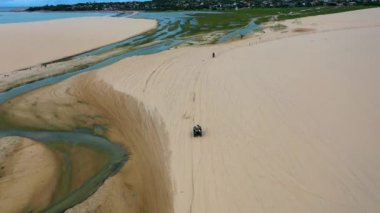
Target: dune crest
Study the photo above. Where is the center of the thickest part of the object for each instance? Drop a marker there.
(144, 184)
(291, 124)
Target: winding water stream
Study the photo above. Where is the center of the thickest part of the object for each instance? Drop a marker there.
(115, 154)
(167, 35)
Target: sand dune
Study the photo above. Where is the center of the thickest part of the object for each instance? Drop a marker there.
(324, 23)
(291, 124)
(27, 44)
(144, 183)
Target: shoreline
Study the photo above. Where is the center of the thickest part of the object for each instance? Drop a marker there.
(64, 65)
(60, 66)
(149, 25)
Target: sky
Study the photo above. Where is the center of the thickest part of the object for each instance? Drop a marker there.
(24, 3)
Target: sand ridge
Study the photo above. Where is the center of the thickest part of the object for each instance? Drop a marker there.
(290, 124)
(144, 183)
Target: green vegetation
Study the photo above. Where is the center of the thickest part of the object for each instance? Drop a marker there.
(230, 20)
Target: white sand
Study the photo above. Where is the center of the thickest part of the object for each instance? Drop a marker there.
(324, 23)
(290, 125)
(26, 44)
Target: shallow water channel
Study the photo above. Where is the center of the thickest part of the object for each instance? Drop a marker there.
(111, 157)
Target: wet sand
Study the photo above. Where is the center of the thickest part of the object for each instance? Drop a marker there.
(29, 43)
(29, 173)
(143, 184)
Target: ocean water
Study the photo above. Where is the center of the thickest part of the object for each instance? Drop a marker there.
(7, 16)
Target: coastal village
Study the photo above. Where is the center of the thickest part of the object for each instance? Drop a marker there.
(199, 5)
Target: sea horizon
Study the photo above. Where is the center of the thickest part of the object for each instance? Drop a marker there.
(11, 9)
(14, 15)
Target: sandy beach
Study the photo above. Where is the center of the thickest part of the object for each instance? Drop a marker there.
(290, 116)
(27, 44)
